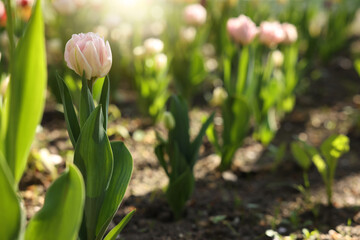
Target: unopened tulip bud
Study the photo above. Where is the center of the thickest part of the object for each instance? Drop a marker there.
(67, 6)
(88, 53)
(195, 14)
(271, 33)
(4, 85)
(139, 52)
(3, 15)
(278, 58)
(153, 46)
(291, 33)
(169, 120)
(242, 29)
(188, 34)
(160, 61)
(219, 96)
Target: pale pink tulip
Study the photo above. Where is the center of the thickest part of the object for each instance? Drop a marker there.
(67, 6)
(271, 33)
(88, 53)
(153, 46)
(195, 14)
(291, 33)
(242, 29)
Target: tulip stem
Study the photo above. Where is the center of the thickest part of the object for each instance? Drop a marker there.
(10, 26)
(90, 84)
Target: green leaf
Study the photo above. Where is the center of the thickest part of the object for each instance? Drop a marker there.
(72, 122)
(94, 158)
(213, 138)
(104, 100)
(118, 228)
(180, 133)
(86, 102)
(123, 166)
(61, 215)
(160, 153)
(97, 88)
(25, 100)
(301, 156)
(195, 145)
(332, 149)
(357, 65)
(10, 211)
(179, 191)
(319, 163)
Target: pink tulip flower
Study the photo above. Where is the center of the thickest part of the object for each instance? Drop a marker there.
(271, 33)
(291, 33)
(195, 14)
(242, 29)
(88, 53)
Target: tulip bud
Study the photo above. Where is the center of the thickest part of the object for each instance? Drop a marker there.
(153, 46)
(278, 58)
(67, 6)
(88, 53)
(3, 15)
(169, 120)
(25, 8)
(139, 52)
(242, 29)
(160, 61)
(4, 85)
(271, 33)
(188, 34)
(291, 33)
(219, 96)
(195, 14)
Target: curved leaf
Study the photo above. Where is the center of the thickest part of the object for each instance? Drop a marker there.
(10, 211)
(25, 100)
(123, 166)
(104, 100)
(72, 122)
(118, 228)
(60, 218)
(94, 158)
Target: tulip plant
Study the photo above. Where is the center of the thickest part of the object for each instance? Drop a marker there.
(20, 113)
(188, 63)
(260, 86)
(177, 155)
(106, 166)
(151, 77)
(325, 160)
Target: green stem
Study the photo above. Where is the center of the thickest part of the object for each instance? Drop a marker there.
(242, 70)
(307, 187)
(91, 83)
(227, 73)
(10, 27)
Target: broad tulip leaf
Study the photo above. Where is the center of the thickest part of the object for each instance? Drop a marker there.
(123, 166)
(179, 191)
(94, 158)
(25, 99)
(86, 102)
(104, 100)
(179, 110)
(159, 152)
(72, 122)
(10, 211)
(118, 228)
(195, 145)
(61, 216)
(301, 156)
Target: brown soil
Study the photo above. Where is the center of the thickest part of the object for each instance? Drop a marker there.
(251, 198)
